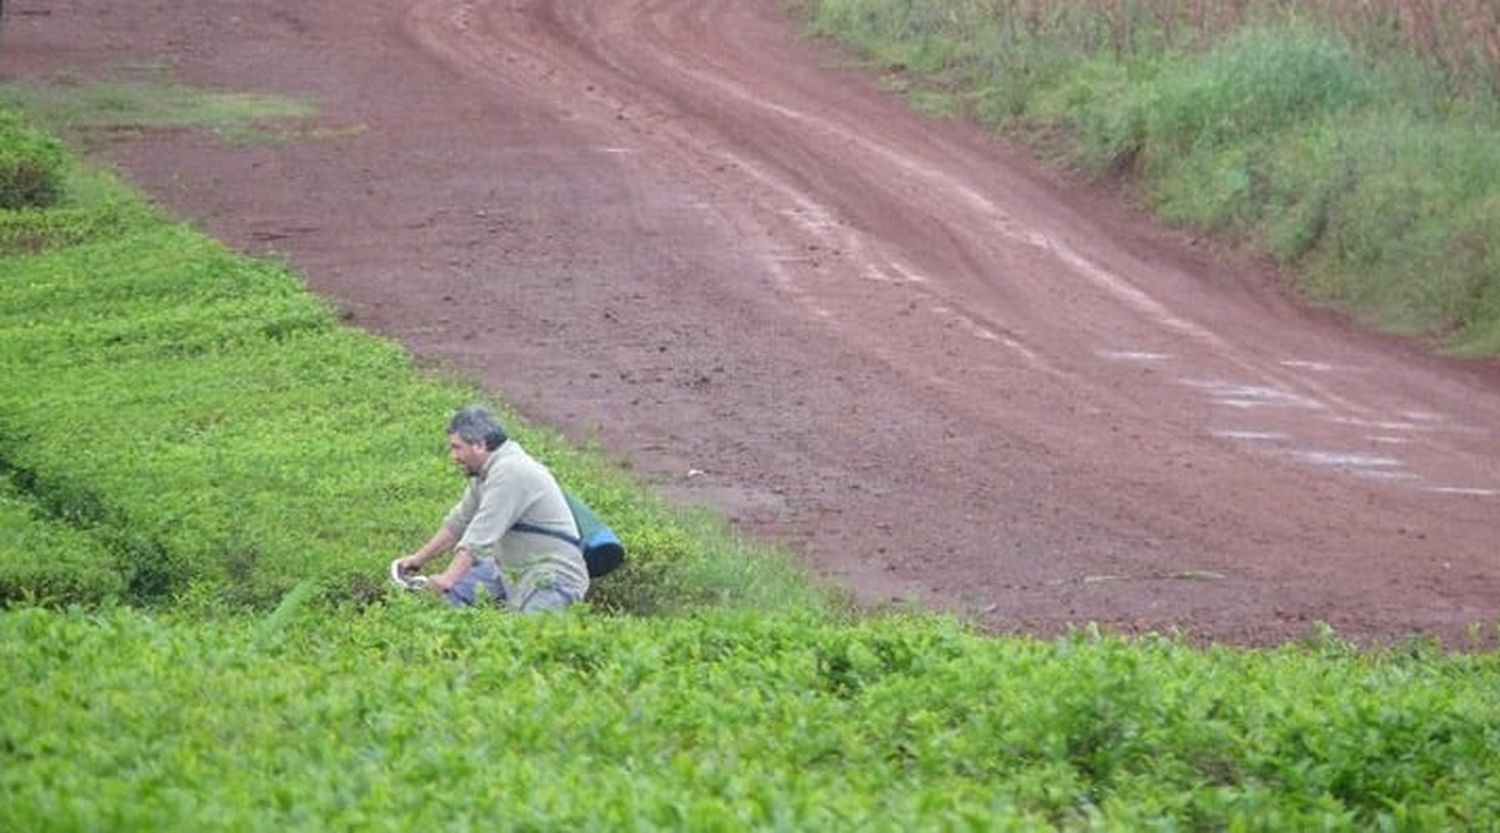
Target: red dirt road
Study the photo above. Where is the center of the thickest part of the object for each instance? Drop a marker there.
(889, 342)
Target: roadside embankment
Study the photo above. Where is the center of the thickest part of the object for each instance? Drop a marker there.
(1352, 143)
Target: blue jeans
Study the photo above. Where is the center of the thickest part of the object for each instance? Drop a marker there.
(547, 600)
(484, 574)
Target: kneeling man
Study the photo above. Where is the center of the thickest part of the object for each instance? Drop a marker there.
(531, 570)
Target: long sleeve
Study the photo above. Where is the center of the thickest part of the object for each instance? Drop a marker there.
(462, 512)
(499, 506)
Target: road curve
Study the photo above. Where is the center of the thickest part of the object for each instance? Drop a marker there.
(1175, 433)
(887, 340)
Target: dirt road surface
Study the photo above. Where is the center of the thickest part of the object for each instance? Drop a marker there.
(941, 374)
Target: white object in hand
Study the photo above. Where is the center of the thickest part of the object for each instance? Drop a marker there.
(404, 581)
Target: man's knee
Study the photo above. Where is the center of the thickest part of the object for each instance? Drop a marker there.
(481, 581)
(547, 600)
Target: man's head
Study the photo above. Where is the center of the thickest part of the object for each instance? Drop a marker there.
(472, 434)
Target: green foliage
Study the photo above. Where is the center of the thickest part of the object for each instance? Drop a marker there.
(410, 715)
(35, 230)
(1419, 214)
(1256, 83)
(30, 165)
(42, 562)
(80, 205)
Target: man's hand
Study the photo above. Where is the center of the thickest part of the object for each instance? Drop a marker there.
(463, 561)
(404, 577)
(409, 563)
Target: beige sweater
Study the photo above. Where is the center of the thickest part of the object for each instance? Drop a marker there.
(513, 488)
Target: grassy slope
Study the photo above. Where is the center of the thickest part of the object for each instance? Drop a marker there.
(1370, 174)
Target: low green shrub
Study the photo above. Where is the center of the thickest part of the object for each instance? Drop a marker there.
(30, 230)
(43, 562)
(30, 164)
(80, 205)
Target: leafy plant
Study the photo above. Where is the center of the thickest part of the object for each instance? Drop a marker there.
(30, 164)
(42, 562)
(313, 717)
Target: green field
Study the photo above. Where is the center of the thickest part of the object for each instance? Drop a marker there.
(203, 475)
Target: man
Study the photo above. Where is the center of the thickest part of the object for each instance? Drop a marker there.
(531, 571)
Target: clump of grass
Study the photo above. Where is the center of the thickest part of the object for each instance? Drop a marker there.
(1418, 211)
(89, 109)
(30, 165)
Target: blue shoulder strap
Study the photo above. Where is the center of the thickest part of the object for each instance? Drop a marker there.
(551, 533)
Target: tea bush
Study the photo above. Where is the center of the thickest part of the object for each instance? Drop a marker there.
(30, 164)
(409, 715)
(42, 562)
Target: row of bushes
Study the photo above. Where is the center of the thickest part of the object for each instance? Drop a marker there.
(406, 717)
(43, 562)
(1371, 174)
(223, 435)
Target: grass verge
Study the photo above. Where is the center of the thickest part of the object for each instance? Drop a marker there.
(1366, 169)
(90, 109)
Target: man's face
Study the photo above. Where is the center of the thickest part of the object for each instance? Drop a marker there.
(469, 456)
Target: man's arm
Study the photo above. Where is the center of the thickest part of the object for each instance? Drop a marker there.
(487, 514)
(439, 544)
(463, 559)
(497, 505)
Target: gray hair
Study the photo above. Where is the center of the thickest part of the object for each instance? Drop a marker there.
(474, 425)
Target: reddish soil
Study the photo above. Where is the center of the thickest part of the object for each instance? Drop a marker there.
(891, 343)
